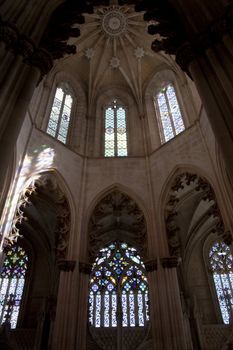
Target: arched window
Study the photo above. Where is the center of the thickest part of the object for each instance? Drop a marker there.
(12, 280)
(118, 292)
(170, 118)
(59, 118)
(220, 259)
(115, 143)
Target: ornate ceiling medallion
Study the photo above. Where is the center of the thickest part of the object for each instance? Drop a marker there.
(114, 22)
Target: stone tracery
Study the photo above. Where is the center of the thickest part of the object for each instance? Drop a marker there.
(117, 216)
(191, 187)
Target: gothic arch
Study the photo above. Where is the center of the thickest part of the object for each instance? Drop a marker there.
(116, 216)
(201, 211)
(41, 189)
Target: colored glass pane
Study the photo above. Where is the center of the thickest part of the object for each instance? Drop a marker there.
(118, 281)
(169, 112)
(59, 118)
(115, 131)
(12, 280)
(221, 265)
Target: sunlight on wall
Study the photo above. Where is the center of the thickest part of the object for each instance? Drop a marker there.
(41, 159)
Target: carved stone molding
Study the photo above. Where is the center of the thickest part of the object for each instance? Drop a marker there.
(66, 265)
(151, 265)
(85, 268)
(45, 184)
(23, 201)
(169, 262)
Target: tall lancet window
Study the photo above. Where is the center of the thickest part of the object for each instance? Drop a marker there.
(170, 118)
(115, 143)
(12, 280)
(221, 264)
(59, 118)
(118, 294)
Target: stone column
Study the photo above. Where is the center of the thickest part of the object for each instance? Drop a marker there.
(172, 325)
(82, 306)
(21, 67)
(209, 61)
(154, 304)
(63, 337)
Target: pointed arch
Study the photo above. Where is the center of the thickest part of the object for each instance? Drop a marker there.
(193, 195)
(115, 215)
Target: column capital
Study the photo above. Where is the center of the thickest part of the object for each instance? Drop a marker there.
(24, 46)
(169, 262)
(176, 41)
(85, 267)
(66, 265)
(151, 265)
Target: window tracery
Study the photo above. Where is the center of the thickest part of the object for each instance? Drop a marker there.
(115, 131)
(170, 117)
(221, 262)
(12, 281)
(59, 118)
(118, 292)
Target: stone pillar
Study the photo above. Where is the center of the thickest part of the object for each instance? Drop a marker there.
(82, 307)
(21, 66)
(154, 304)
(210, 63)
(63, 337)
(172, 325)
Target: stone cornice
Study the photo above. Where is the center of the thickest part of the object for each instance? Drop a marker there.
(169, 262)
(66, 265)
(151, 265)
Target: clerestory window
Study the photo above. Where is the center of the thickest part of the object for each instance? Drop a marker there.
(118, 290)
(59, 118)
(221, 263)
(115, 130)
(12, 281)
(169, 115)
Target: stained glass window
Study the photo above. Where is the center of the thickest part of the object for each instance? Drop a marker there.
(12, 280)
(221, 263)
(118, 291)
(170, 117)
(115, 131)
(59, 118)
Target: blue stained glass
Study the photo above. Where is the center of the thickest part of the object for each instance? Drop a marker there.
(118, 269)
(110, 287)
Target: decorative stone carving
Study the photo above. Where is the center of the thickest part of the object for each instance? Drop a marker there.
(151, 265)
(115, 62)
(186, 183)
(85, 268)
(114, 22)
(139, 53)
(24, 46)
(23, 201)
(117, 217)
(45, 184)
(66, 265)
(170, 262)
